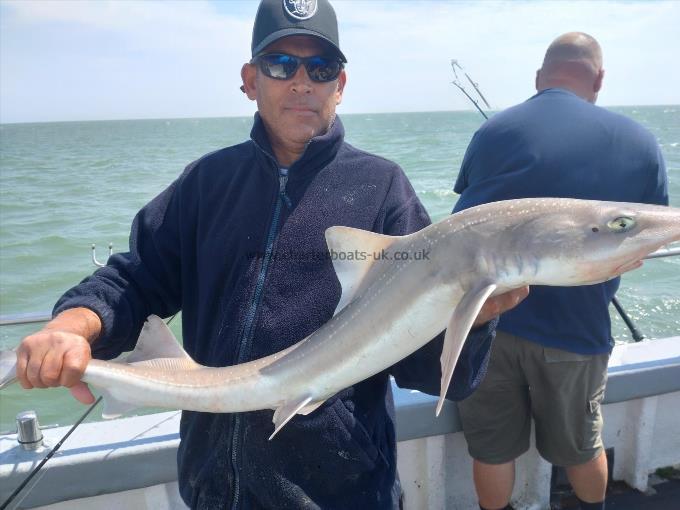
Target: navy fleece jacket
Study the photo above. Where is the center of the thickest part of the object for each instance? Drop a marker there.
(209, 245)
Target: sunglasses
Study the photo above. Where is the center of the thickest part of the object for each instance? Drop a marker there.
(281, 66)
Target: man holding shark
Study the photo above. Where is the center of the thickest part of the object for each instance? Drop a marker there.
(208, 246)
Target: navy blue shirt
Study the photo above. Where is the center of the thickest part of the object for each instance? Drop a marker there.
(240, 249)
(556, 144)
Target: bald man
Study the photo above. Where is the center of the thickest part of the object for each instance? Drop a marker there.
(573, 62)
(549, 360)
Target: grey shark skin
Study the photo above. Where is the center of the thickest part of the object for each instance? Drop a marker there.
(406, 291)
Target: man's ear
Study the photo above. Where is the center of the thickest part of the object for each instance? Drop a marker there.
(538, 74)
(248, 76)
(342, 80)
(598, 81)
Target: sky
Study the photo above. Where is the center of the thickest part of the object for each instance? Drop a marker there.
(130, 59)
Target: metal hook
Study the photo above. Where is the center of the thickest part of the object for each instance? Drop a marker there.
(94, 255)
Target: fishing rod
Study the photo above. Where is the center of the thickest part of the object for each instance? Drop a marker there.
(637, 335)
(634, 331)
(457, 83)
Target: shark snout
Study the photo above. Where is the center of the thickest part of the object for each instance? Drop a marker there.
(630, 238)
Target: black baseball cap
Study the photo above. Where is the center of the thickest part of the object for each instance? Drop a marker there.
(281, 18)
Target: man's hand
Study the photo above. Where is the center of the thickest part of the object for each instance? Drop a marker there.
(58, 354)
(496, 305)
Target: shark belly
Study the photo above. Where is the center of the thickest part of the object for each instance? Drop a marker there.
(204, 389)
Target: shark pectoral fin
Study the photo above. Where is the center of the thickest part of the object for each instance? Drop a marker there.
(457, 330)
(352, 252)
(283, 414)
(310, 408)
(156, 341)
(114, 408)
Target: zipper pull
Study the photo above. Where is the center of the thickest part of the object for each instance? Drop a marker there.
(283, 180)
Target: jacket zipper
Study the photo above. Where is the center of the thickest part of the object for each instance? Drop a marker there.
(246, 339)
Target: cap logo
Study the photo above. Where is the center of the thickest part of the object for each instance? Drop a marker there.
(300, 9)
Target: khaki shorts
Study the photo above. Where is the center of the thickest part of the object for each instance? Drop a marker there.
(560, 389)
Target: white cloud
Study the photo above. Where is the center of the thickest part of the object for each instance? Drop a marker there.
(502, 44)
(172, 25)
(111, 59)
(93, 60)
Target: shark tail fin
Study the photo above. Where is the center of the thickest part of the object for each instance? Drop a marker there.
(8, 368)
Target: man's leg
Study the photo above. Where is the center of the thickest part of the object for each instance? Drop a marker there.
(589, 480)
(494, 483)
(566, 392)
(497, 423)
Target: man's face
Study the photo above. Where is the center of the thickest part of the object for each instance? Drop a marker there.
(298, 109)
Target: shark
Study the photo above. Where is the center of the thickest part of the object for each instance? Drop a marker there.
(401, 293)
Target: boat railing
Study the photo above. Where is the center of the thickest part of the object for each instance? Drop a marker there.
(38, 317)
(25, 318)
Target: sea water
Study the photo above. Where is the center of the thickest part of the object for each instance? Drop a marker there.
(64, 186)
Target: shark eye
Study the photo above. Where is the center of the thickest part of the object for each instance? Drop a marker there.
(621, 224)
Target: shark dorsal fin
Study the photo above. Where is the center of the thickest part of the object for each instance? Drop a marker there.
(353, 252)
(156, 341)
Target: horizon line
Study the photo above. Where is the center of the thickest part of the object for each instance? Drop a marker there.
(250, 116)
